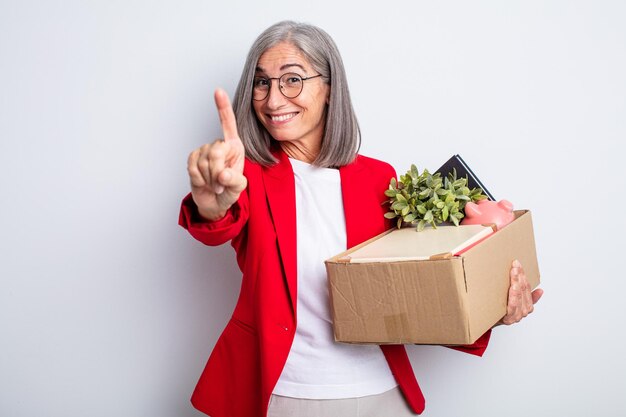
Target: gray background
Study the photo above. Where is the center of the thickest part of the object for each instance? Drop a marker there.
(108, 308)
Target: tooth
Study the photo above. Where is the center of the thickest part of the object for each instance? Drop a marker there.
(283, 117)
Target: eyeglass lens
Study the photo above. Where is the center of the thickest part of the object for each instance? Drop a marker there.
(290, 85)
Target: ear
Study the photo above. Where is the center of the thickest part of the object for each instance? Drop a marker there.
(506, 205)
(472, 210)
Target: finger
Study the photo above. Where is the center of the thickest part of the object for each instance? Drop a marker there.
(515, 300)
(227, 116)
(514, 303)
(203, 163)
(536, 295)
(529, 306)
(217, 163)
(236, 155)
(234, 181)
(196, 178)
(518, 275)
(527, 301)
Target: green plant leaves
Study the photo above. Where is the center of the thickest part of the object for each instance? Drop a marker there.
(425, 193)
(445, 212)
(409, 217)
(426, 198)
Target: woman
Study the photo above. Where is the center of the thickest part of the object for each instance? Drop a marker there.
(288, 162)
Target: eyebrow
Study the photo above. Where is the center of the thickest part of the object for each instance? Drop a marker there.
(282, 68)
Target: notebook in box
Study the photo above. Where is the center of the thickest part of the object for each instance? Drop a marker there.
(463, 170)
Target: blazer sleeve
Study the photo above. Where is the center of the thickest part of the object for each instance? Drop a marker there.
(217, 232)
(478, 347)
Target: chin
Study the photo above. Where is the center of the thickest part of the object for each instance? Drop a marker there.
(281, 136)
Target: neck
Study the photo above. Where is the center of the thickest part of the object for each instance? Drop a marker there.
(300, 152)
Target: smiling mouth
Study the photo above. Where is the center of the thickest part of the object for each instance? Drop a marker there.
(282, 117)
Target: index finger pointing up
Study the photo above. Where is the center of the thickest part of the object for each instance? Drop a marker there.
(227, 116)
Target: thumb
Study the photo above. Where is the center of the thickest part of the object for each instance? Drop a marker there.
(536, 295)
(233, 180)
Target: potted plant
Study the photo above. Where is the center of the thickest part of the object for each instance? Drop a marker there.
(421, 199)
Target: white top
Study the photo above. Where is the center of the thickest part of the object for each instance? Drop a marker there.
(318, 367)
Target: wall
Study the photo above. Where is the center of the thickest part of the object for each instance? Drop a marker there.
(108, 308)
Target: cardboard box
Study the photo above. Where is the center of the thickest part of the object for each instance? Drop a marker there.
(451, 300)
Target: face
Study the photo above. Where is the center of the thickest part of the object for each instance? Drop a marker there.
(299, 121)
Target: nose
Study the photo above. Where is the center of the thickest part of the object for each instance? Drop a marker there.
(275, 98)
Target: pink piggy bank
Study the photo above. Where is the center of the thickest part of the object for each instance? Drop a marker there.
(486, 211)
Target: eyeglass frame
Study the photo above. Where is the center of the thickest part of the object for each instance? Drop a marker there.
(269, 79)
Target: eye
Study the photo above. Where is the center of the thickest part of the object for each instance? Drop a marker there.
(260, 82)
(292, 80)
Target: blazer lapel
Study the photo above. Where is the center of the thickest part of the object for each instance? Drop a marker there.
(350, 189)
(281, 196)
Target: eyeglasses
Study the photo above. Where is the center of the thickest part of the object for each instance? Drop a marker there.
(290, 85)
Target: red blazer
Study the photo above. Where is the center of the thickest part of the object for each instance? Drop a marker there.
(249, 356)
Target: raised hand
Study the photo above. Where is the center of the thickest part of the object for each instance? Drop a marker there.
(216, 169)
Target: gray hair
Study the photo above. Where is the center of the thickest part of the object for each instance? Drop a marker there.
(342, 136)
